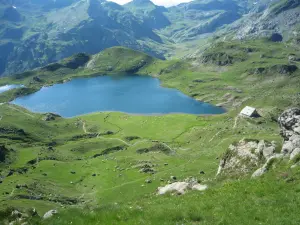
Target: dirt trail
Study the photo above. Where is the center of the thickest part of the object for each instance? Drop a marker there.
(215, 136)
(16, 109)
(235, 122)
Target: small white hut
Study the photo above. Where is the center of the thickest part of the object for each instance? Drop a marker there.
(249, 112)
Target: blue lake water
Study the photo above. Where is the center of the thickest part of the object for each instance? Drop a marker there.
(130, 94)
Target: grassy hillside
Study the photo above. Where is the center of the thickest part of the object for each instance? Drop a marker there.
(90, 168)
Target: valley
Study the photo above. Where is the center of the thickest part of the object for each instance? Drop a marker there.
(110, 164)
(41, 32)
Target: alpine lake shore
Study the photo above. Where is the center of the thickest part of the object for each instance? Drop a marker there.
(91, 168)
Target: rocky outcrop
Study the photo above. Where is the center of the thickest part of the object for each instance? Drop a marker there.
(17, 217)
(246, 155)
(289, 122)
(220, 58)
(278, 69)
(268, 164)
(50, 116)
(293, 58)
(145, 167)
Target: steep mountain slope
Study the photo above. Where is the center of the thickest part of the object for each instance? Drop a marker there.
(279, 22)
(11, 30)
(152, 15)
(190, 20)
(85, 26)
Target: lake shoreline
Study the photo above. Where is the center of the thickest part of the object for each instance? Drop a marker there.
(127, 96)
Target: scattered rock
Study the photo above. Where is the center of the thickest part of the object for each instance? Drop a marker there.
(173, 178)
(94, 175)
(259, 172)
(73, 172)
(33, 212)
(293, 58)
(131, 138)
(202, 172)
(198, 81)
(148, 181)
(49, 214)
(285, 69)
(199, 187)
(37, 79)
(147, 170)
(21, 186)
(10, 173)
(16, 214)
(157, 147)
(145, 167)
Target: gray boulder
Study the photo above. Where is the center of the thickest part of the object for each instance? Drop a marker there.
(259, 172)
(50, 213)
(268, 164)
(180, 187)
(295, 153)
(287, 147)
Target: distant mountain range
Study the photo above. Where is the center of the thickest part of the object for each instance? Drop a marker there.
(34, 33)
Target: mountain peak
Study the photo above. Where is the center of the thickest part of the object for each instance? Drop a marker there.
(142, 2)
(11, 14)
